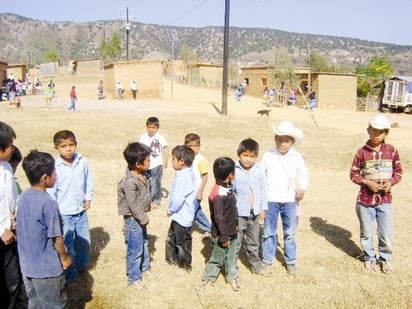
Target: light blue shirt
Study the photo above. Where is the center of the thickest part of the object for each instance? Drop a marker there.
(250, 184)
(182, 196)
(74, 185)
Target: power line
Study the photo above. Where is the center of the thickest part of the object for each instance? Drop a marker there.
(188, 12)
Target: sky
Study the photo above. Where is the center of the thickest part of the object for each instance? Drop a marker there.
(374, 20)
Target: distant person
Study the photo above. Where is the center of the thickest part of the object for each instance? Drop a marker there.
(201, 171)
(292, 97)
(251, 200)
(182, 209)
(120, 90)
(266, 95)
(43, 256)
(133, 87)
(100, 90)
(312, 100)
(272, 96)
(73, 192)
(376, 168)
(159, 155)
(224, 215)
(133, 200)
(73, 99)
(286, 182)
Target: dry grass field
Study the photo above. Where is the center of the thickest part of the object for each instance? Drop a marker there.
(330, 274)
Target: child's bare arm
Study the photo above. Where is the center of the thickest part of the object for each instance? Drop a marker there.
(202, 186)
(61, 250)
(165, 156)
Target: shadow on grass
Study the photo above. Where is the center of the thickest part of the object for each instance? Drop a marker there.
(217, 109)
(81, 291)
(152, 247)
(337, 236)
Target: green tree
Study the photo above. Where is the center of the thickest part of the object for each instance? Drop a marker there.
(51, 55)
(189, 58)
(283, 69)
(111, 50)
(373, 75)
(317, 62)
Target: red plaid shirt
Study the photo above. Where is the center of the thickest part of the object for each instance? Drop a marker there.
(368, 163)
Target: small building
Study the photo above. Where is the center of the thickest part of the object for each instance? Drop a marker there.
(333, 90)
(147, 74)
(3, 72)
(88, 67)
(18, 71)
(211, 75)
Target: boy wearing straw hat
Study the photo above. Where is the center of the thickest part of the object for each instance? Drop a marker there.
(286, 182)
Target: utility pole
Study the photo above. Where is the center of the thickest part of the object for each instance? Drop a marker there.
(172, 69)
(225, 58)
(127, 32)
(309, 77)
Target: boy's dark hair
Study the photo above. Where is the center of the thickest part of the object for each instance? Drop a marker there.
(135, 153)
(36, 164)
(63, 134)
(248, 144)
(16, 156)
(223, 167)
(153, 121)
(7, 135)
(192, 137)
(185, 153)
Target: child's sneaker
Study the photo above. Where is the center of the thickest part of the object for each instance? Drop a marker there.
(369, 265)
(235, 285)
(206, 284)
(138, 285)
(291, 268)
(386, 267)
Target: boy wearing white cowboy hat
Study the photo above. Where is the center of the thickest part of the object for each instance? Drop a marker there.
(376, 168)
(286, 182)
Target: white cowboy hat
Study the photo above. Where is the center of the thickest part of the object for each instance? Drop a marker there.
(380, 122)
(287, 128)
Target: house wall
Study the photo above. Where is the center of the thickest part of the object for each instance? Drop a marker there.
(148, 75)
(3, 72)
(18, 70)
(257, 78)
(336, 91)
(212, 76)
(90, 67)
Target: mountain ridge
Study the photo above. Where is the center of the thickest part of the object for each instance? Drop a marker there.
(248, 46)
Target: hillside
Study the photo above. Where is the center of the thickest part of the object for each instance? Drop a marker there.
(25, 40)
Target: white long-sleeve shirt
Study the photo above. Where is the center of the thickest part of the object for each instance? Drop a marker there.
(8, 196)
(284, 174)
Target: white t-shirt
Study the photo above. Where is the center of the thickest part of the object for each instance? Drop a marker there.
(156, 143)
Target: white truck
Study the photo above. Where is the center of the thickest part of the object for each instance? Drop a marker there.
(397, 96)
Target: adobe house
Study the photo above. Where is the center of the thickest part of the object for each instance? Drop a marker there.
(211, 75)
(19, 71)
(333, 90)
(3, 72)
(88, 67)
(148, 75)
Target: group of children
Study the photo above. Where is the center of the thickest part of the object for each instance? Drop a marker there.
(245, 196)
(52, 224)
(53, 245)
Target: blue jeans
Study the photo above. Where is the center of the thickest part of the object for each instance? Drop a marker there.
(137, 254)
(46, 292)
(269, 243)
(383, 215)
(201, 218)
(156, 175)
(77, 240)
(222, 257)
(72, 104)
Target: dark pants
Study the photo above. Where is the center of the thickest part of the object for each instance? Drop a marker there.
(179, 245)
(47, 293)
(12, 293)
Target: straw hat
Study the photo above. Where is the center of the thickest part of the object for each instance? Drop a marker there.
(288, 129)
(380, 122)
